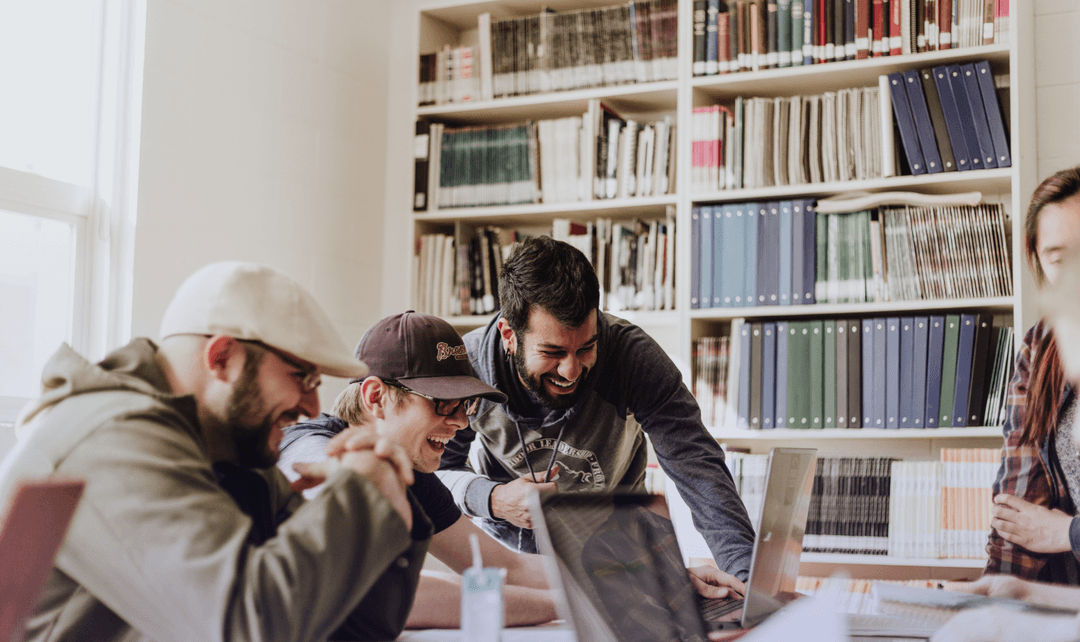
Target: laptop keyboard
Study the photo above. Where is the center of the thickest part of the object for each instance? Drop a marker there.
(715, 608)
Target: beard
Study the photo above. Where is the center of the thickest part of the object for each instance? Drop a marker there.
(535, 384)
(251, 441)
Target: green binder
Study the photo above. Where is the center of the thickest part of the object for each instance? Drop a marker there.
(948, 370)
(816, 375)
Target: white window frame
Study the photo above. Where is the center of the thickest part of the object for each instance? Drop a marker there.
(103, 216)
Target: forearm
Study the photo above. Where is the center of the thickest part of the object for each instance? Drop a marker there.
(1054, 595)
(438, 604)
(528, 572)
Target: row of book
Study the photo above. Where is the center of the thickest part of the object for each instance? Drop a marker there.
(881, 506)
(942, 508)
(787, 253)
(554, 51)
(894, 372)
(458, 274)
(949, 118)
(795, 140)
(578, 158)
(749, 35)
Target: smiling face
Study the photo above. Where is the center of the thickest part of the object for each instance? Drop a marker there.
(410, 421)
(267, 396)
(552, 360)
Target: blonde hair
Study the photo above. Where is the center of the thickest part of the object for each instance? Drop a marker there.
(349, 405)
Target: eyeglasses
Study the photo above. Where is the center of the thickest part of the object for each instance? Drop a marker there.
(443, 407)
(308, 376)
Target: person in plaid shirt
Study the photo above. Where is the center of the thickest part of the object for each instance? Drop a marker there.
(1035, 534)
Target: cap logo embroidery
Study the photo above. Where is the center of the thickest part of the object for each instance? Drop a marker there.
(446, 351)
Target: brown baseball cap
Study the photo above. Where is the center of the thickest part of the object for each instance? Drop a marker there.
(426, 354)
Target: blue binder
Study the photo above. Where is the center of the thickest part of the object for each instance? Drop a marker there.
(712, 37)
(906, 124)
(750, 229)
(785, 252)
(729, 265)
(892, 372)
(935, 348)
(907, 376)
(964, 353)
(735, 221)
(798, 229)
(768, 375)
(998, 132)
(809, 255)
(761, 288)
(924, 127)
(744, 376)
(868, 373)
(967, 118)
(695, 258)
(918, 383)
(978, 112)
(780, 409)
(952, 120)
(707, 243)
(880, 364)
(719, 256)
(772, 264)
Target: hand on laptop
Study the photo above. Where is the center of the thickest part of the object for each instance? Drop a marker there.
(510, 501)
(712, 582)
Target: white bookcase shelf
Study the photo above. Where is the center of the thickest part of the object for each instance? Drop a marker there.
(450, 22)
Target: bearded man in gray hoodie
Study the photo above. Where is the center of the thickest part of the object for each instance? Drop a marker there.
(583, 389)
(186, 529)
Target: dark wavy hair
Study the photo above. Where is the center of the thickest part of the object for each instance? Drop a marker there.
(551, 275)
(1046, 385)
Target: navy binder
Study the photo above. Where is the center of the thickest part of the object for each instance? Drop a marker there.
(924, 128)
(981, 361)
(993, 114)
(978, 111)
(719, 254)
(750, 229)
(785, 252)
(780, 408)
(952, 119)
(892, 372)
(809, 256)
(809, 31)
(705, 293)
(935, 348)
(744, 376)
(868, 373)
(967, 118)
(880, 364)
(937, 119)
(906, 124)
(907, 376)
(768, 375)
(918, 384)
(695, 258)
(761, 288)
(712, 37)
(964, 352)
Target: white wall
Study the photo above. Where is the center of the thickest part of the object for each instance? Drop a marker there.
(1057, 84)
(263, 139)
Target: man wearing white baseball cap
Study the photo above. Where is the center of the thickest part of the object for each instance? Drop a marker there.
(186, 530)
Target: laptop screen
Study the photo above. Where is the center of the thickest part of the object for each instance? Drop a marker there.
(619, 553)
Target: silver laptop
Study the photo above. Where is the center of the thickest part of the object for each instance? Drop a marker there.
(618, 561)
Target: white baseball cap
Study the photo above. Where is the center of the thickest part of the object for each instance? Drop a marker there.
(258, 303)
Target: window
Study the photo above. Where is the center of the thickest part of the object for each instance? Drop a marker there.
(70, 74)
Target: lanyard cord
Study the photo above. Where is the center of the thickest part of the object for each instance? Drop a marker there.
(525, 452)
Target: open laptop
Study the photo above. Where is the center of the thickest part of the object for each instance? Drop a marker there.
(618, 561)
(36, 522)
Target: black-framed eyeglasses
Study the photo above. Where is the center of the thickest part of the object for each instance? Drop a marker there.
(443, 407)
(308, 376)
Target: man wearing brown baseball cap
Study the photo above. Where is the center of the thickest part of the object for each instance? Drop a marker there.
(186, 530)
(418, 394)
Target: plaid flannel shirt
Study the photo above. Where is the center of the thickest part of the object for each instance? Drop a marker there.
(1033, 474)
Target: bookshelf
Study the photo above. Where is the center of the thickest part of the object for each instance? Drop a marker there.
(436, 23)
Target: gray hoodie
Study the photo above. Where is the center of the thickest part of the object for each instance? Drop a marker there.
(158, 550)
(634, 386)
